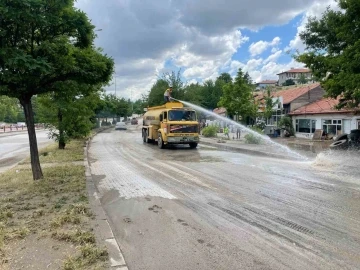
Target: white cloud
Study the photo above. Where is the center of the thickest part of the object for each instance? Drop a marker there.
(261, 46)
(260, 69)
(273, 57)
(315, 10)
(199, 36)
(203, 56)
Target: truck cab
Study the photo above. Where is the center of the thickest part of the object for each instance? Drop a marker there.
(171, 124)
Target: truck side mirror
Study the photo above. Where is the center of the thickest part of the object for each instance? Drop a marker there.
(161, 117)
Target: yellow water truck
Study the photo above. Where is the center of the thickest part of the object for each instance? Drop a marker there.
(171, 123)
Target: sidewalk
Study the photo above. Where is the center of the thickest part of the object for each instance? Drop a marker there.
(303, 147)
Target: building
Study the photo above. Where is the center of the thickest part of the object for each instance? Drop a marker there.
(290, 100)
(220, 111)
(322, 114)
(294, 74)
(264, 84)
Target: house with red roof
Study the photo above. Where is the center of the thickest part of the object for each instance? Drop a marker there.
(294, 74)
(265, 83)
(290, 100)
(322, 114)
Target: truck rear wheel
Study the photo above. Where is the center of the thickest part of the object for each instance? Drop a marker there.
(160, 142)
(193, 145)
(144, 135)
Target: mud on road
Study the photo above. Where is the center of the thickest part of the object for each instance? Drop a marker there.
(210, 209)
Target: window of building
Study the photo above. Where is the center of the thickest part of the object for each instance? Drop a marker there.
(305, 125)
(333, 126)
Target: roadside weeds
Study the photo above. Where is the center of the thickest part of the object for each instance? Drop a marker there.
(47, 224)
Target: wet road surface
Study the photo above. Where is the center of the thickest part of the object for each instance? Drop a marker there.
(210, 209)
(15, 147)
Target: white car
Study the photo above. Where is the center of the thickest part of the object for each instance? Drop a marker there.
(120, 126)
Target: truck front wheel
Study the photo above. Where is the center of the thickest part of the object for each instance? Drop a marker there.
(160, 142)
(193, 145)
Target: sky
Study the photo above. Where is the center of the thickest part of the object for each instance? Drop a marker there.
(203, 38)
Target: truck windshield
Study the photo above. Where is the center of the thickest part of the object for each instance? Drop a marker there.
(182, 115)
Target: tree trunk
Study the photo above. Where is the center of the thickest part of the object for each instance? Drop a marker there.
(34, 153)
(61, 131)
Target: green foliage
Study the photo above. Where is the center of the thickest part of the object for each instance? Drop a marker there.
(269, 103)
(156, 95)
(52, 44)
(286, 122)
(43, 45)
(260, 125)
(251, 138)
(71, 115)
(9, 109)
(302, 79)
(210, 131)
(225, 77)
(333, 51)
(138, 106)
(238, 98)
(206, 95)
(288, 82)
(174, 79)
(194, 93)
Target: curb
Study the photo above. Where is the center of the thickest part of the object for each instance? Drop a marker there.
(116, 257)
(223, 146)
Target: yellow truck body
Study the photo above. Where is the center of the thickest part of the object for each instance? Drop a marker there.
(171, 123)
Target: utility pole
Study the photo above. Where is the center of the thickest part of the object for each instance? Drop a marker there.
(115, 85)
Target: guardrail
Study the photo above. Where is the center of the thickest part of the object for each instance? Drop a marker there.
(13, 128)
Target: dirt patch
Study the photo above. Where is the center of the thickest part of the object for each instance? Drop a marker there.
(47, 224)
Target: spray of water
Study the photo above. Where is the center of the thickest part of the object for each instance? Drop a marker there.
(265, 139)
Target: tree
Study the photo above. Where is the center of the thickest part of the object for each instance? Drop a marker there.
(288, 82)
(42, 44)
(238, 98)
(70, 115)
(287, 124)
(194, 93)
(333, 51)
(269, 103)
(174, 79)
(156, 95)
(225, 77)
(9, 109)
(302, 79)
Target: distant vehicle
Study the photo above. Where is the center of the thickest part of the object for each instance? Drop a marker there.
(120, 126)
(134, 121)
(20, 124)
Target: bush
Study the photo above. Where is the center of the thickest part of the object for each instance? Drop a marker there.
(261, 125)
(252, 138)
(287, 124)
(210, 131)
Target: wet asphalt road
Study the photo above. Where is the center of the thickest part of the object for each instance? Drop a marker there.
(15, 147)
(210, 209)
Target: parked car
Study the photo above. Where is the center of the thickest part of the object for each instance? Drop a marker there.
(134, 121)
(120, 126)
